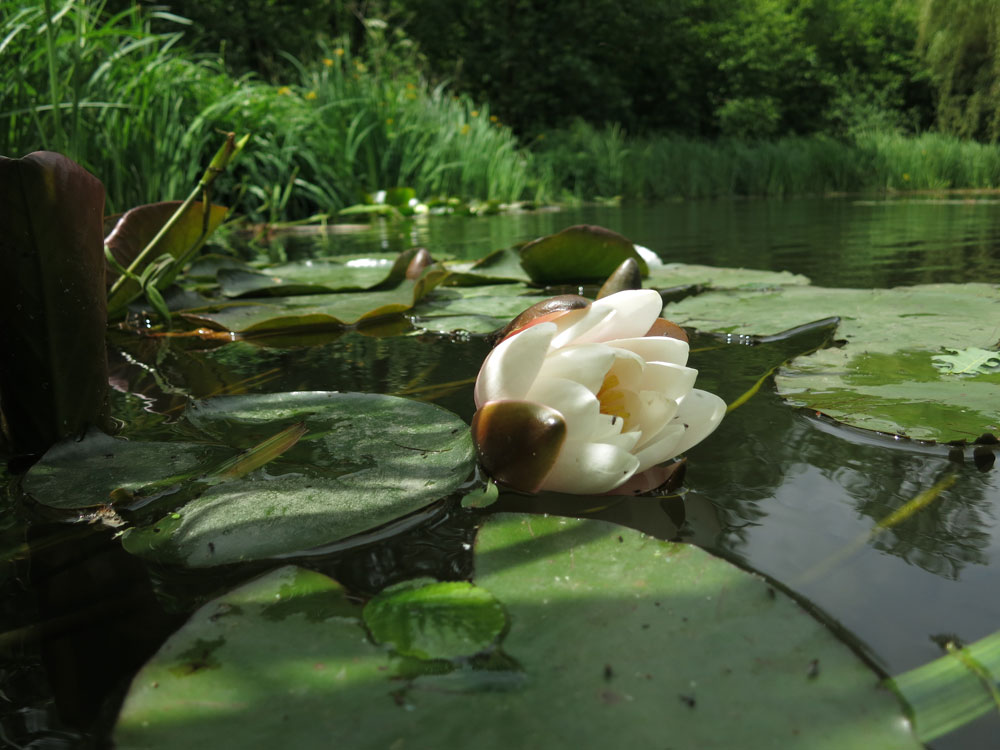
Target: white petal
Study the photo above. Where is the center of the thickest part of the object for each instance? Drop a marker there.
(628, 369)
(651, 258)
(701, 412)
(634, 311)
(586, 364)
(662, 447)
(653, 411)
(511, 368)
(673, 381)
(655, 348)
(609, 430)
(583, 320)
(575, 402)
(590, 468)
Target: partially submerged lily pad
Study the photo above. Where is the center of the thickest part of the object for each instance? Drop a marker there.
(365, 460)
(883, 376)
(615, 638)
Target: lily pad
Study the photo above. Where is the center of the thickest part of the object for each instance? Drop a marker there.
(435, 621)
(883, 376)
(365, 460)
(578, 253)
(476, 309)
(683, 274)
(313, 311)
(316, 276)
(500, 266)
(615, 638)
(84, 473)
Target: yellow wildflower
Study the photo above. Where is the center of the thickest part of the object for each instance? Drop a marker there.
(474, 113)
(284, 91)
(465, 130)
(339, 52)
(493, 118)
(328, 62)
(906, 176)
(311, 95)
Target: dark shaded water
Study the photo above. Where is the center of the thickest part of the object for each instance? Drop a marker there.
(778, 490)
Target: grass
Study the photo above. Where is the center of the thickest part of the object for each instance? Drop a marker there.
(585, 162)
(142, 114)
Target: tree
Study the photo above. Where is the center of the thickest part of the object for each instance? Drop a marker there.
(960, 40)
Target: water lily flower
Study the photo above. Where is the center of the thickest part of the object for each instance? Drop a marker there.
(580, 397)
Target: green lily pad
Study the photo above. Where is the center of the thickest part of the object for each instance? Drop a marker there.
(883, 377)
(84, 473)
(316, 276)
(683, 274)
(476, 309)
(578, 253)
(435, 621)
(500, 266)
(268, 653)
(313, 311)
(365, 460)
(615, 638)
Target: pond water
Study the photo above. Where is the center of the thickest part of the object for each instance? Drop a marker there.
(779, 490)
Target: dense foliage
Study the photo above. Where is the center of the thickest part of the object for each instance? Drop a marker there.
(507, 101)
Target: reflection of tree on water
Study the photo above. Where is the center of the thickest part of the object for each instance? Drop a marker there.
(942, 537)
(764, 444)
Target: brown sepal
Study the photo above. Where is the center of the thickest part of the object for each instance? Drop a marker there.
(518, 441)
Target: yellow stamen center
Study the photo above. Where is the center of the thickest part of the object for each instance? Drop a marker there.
(611, 399)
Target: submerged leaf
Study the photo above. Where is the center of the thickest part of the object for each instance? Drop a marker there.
(435, 621)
